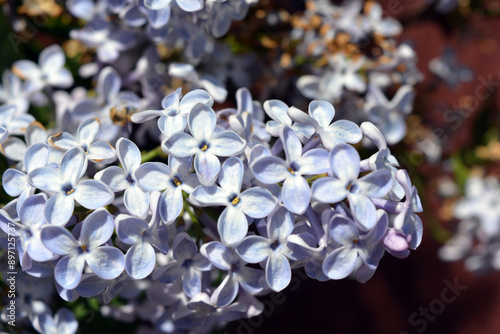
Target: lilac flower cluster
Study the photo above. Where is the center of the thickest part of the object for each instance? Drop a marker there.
(105, 222)
(355, 61)
(476, 240)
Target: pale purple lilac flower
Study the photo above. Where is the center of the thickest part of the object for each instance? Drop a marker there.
(107, 262)
(255, 202)
(204, 143)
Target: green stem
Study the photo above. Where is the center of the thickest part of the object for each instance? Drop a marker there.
(152, 154)
(315, 177)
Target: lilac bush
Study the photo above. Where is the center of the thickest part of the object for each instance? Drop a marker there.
(229, 201)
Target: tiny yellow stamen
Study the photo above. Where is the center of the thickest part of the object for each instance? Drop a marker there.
(204, 148)
(235, 201)
(84, 247)
(177, 182)
(291, 171)
(69, 192)
(355, 241)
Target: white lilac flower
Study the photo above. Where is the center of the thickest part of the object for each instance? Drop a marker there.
(175, 110)
(14, 92)
(29, 244)
(320, 115)
(95, 150)
(341, 262)
(135, 198)
(50, 70)
(210, 84)
(447, 69)
(295, 193)
(238, 274)
(63, 322)
(12, 122)
(389, 116)
(344, 73)
(187, 266)
(105, 261)
(205, 144)
(345, 165)
(278, 112)
(172, 180)
(383, 159)
(201, 309)
(274, 249)
(65, 187)
(255, 202)
(387, 27)
(140, 259)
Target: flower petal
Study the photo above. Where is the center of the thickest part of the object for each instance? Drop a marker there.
(232, 225)
(278, 272)
(140, 260)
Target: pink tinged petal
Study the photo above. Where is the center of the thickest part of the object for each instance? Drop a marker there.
(296, 194)
(130, 229)
(88, 130)
(97, 228)
(257, 202)
(129, 155)
(72, 165)
(68, 271)
(270, 170)
(140, 260)
(207, 167)
(292, 145)
(231, 175)
(254, 249)
(226, 292)
(114, 177)
(232, 225)
(58, 240)
(340, 263)
(46, 179)
(226, 143)
(93, 194)
(146, 115)
(106, 262)
(201, 121)
(363, 210)
(219, 255)
(376, 184)
(136, 201)
(278, 272)
(314, 161)
(52, 58)
(154, 176)
(344, 161)
(395, 241)
(171, 204)
(322, 111)
(59, 209)
(301, 117)
(210, 196)
(280, 224)
(101, 151)
(14, 182)
(181, 144)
